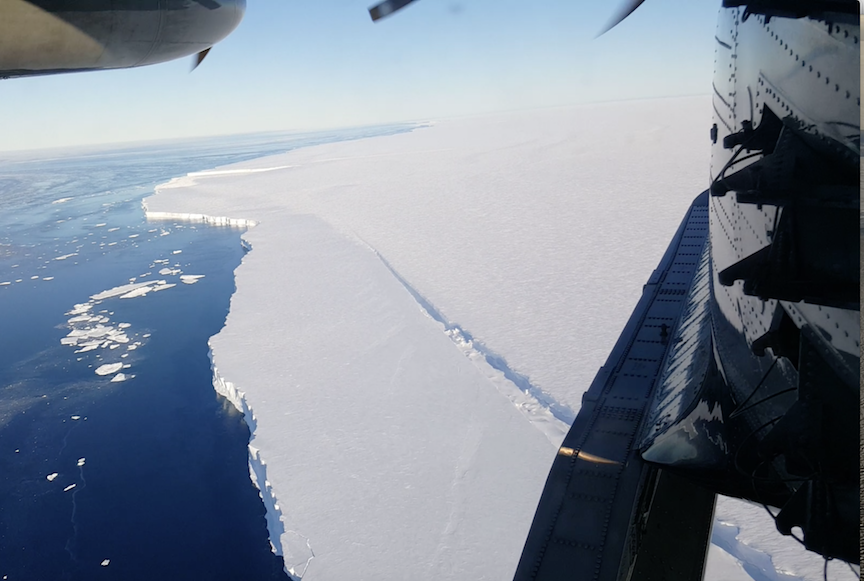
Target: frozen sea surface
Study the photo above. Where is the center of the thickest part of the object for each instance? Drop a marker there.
(420, 314)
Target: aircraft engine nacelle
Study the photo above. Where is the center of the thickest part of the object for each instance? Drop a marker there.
(40, 37)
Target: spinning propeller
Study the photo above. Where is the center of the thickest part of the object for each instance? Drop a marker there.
(388, 7)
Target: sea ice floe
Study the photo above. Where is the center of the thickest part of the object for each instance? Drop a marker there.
(177, 252)
(89, 331)
(119, 377)
(106, 562)
(61, 201)
(52, 476)
(76, 417)
(88, 347)
(169, 271)
(70, 487)
(34, 277)
(47, 278)
(113, 229)
(65, 256)
(109, 368)
(119, 290)
(80, 308)
(81, 461)
(5, 283)
(138, 292)
(191, 278)
(99, 330)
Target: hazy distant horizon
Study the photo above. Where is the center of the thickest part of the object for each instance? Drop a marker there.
(87, 148)
(327, 65)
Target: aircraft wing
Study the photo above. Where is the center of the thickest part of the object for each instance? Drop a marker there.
(605, 513)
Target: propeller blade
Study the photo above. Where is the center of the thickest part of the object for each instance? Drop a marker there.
(199, 58)
(625, 10)
(387, 8)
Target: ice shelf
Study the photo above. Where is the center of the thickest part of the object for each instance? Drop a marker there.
(421, 311)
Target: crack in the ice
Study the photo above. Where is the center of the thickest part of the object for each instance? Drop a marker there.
(294, 570)
(757, 564)
(462, 338)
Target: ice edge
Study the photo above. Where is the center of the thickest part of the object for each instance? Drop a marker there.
(257, 466)
(151, 216)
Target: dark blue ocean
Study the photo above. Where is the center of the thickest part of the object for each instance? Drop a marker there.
(117, 458)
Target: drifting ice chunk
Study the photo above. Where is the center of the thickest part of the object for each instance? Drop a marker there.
(169, 271)
(138, 292)
(52, 476)
(119, 290)
(81, 461)
(119, 337)
(87, 346)
(191, 278)
(80, 309)
(109, 368)
(106, 562)
(70, 487)
(119, 377)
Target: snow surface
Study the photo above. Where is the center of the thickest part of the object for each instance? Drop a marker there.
(420, 315)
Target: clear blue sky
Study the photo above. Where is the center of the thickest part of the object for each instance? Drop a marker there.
(323, 63)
